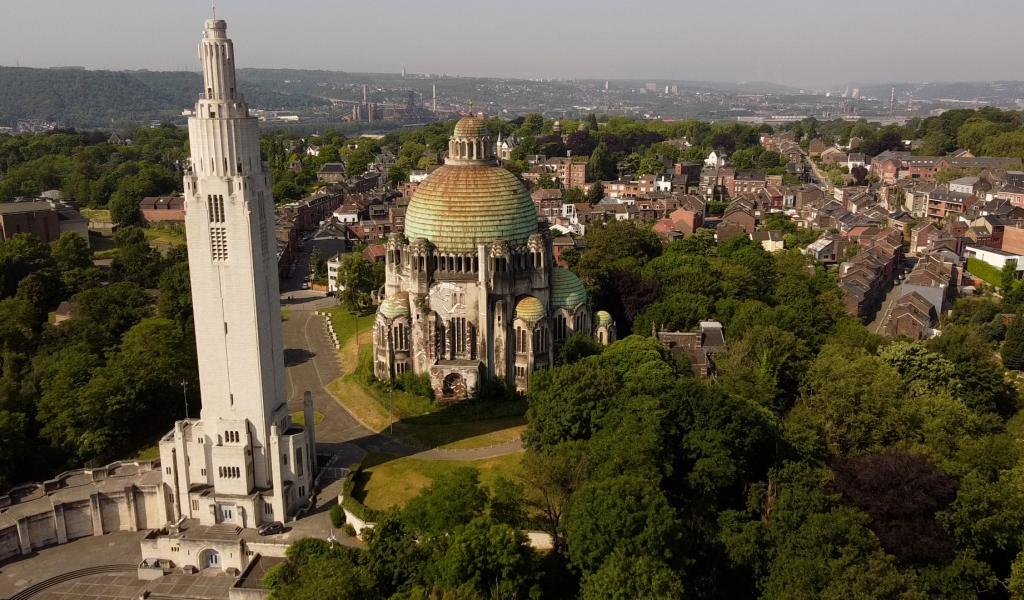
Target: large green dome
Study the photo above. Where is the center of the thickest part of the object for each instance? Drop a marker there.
(461, 205)
(567, 291)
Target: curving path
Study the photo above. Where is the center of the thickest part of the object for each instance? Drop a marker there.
(340, 431)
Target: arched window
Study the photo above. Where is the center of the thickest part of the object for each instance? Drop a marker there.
(401, 333)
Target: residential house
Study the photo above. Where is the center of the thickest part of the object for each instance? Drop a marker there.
(332, 172)
(833, 156)
(716, 159)
(162, 209)
(698, 348)
(827, 249)
(867, 277)
(943, 203)
(771, 240)
(816, 147)
(912, 316)
(856, 159)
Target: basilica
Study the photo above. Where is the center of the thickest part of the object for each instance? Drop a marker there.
(471, 289)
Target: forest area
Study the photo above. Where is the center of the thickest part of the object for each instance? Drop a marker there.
(822, 462)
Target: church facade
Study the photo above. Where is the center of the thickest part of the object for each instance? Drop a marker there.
(471, 288)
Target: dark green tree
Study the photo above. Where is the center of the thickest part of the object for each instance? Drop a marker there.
(1013, 346)
(625, 577)
(452, 498)
(601, 165)
(625, 513)
(492, 558)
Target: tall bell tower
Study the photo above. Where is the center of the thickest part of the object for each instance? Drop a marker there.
(243, 461)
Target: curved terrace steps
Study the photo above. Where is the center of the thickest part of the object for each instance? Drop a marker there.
(37, 588)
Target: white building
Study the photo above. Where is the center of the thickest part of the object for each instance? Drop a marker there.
(243, 463)
(716, 159)
(333, 266)
(994, 257)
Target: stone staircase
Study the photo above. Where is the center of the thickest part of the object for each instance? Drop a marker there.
(224, 529)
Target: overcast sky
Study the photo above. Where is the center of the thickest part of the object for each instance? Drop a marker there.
(801, 42)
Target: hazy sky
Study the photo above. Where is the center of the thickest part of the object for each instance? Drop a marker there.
(803, 42)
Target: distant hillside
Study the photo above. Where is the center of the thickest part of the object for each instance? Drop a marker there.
(82, 98)
(956, 90)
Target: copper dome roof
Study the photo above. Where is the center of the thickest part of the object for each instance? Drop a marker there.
(470, 127)
(460, 206)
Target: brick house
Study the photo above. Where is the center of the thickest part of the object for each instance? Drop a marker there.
(163, 209)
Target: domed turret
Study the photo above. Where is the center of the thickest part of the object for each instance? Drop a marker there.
(567, 291)
(395, 306)
(530, 309)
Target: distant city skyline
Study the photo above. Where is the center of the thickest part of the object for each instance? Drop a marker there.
(800, 43)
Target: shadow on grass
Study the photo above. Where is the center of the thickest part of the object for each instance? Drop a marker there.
(442, 427)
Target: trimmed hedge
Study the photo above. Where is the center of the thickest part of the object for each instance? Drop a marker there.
(984, 271)
(337, 516)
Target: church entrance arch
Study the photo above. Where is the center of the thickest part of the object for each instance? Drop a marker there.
(209, 559)
(454, 386)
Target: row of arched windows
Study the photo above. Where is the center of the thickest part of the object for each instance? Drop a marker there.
(479, 149)
(230, 472)
(541, 339)
(460, 263)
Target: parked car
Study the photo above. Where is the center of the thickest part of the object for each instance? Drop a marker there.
(305, 285)
(272, 528)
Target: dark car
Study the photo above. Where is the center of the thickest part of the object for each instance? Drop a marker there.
(272, 528)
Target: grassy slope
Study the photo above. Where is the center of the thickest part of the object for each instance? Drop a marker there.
(393, 481)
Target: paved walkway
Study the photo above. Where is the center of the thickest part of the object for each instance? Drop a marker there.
(313, 363)
(113, 548)
(206, 585)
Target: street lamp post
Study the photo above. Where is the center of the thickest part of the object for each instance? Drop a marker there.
(184, 393)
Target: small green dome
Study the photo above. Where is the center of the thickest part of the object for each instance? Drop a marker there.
(530, 309)
(604, 318)
(470, 127)
(567, 291)
(395, 306)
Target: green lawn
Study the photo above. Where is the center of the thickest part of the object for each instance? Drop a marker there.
(389, 481)
(165, 235)
(988, 273)
(299, 418)
(345, 322)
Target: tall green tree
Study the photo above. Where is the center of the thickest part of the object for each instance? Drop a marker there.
(626, 514)
(1013, 346)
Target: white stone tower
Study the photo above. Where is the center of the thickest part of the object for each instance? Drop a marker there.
(243, 461)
